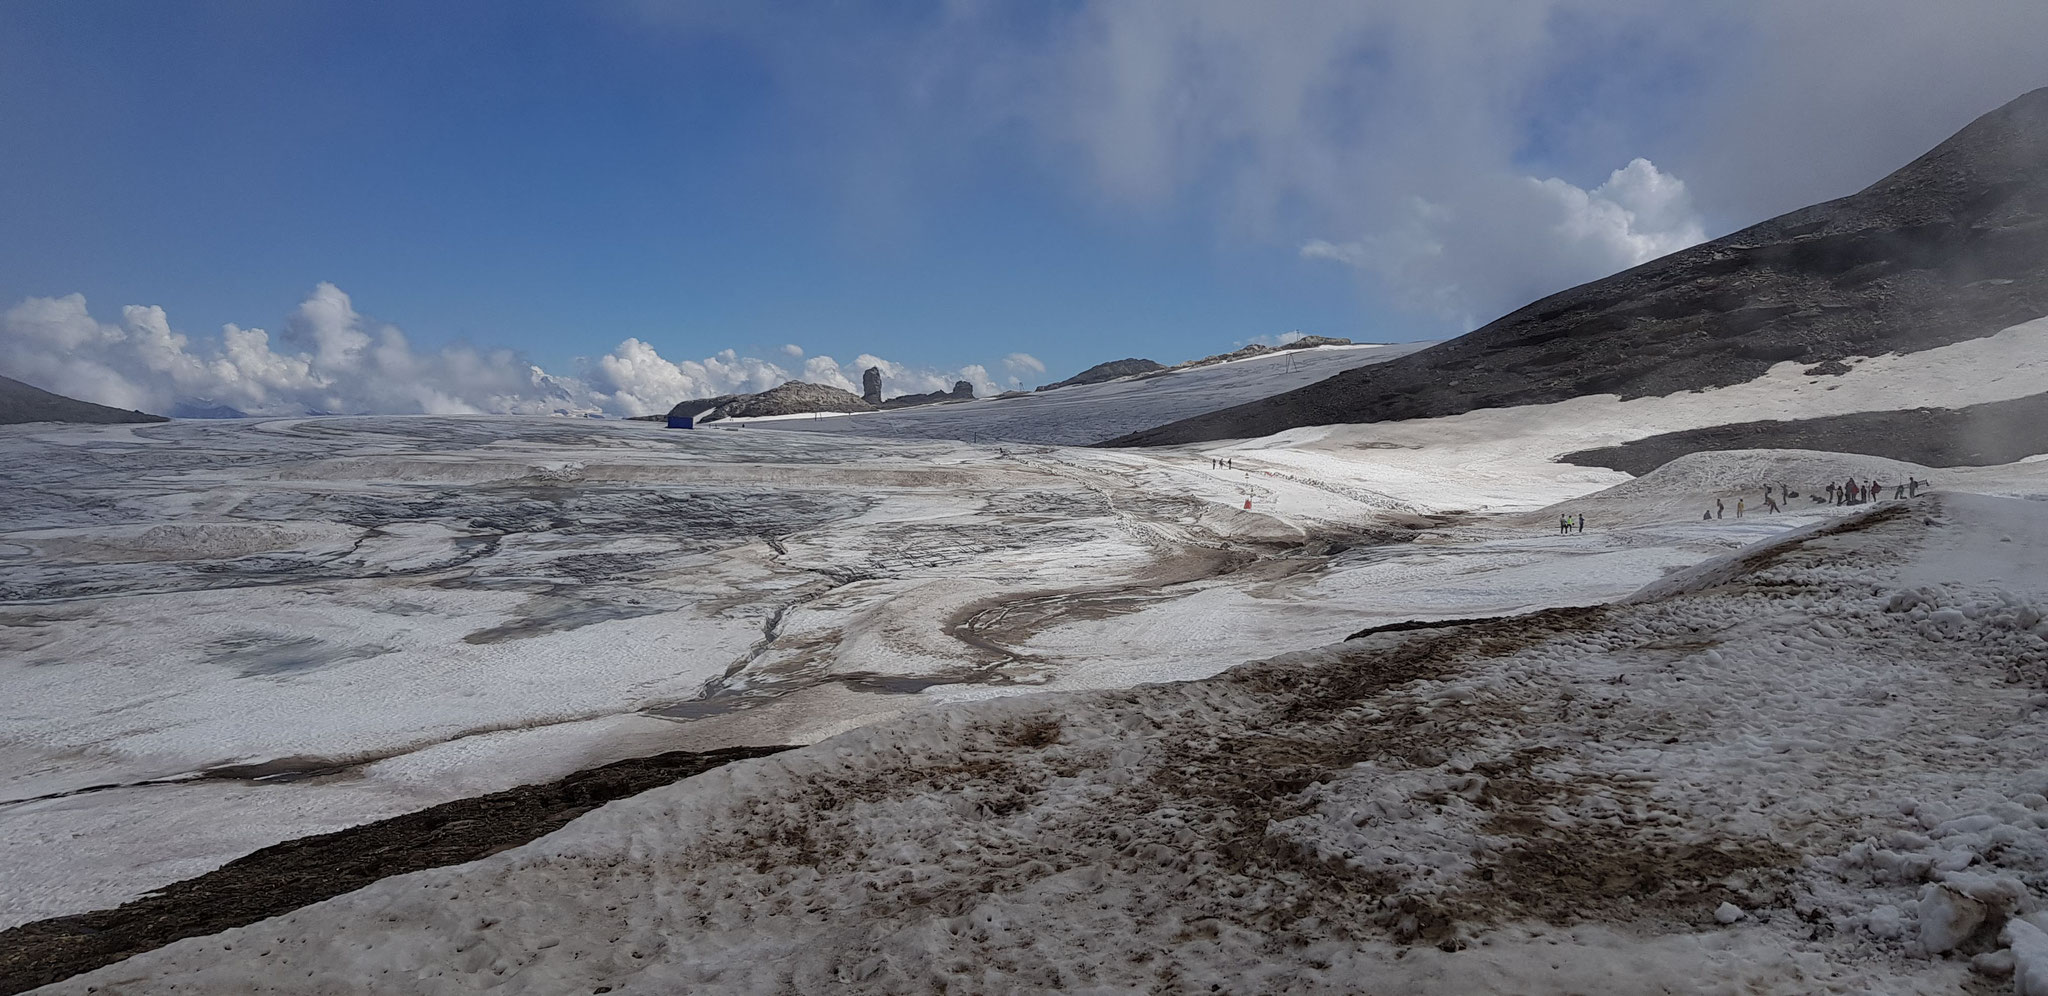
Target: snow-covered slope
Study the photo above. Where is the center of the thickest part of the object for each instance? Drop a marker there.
(1081, 414)
(1821, 772)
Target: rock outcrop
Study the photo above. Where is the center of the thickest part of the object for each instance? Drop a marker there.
(21, 402)
(962, 391)
(1952, 246)
(793, 398)
(1107, 371)
(871, 386)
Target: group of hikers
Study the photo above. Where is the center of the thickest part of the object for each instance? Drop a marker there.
(1567, 523)
(1216, 463)
(1849, 492)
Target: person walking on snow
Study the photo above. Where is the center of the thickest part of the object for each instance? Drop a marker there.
(1582, 522)
(1719, 509)
(1769, 505)
(1563, 523)
(1738, 508)
(1899, 492)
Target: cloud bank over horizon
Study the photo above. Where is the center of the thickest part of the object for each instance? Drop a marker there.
(330, 358)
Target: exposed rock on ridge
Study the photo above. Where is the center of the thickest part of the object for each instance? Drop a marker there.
(1107, 371)
(962, 391)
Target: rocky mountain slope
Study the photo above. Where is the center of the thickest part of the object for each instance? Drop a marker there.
(21, 402)
(1952, 246)
(1109, 371)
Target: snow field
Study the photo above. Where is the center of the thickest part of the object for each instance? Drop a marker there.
(1409, 812)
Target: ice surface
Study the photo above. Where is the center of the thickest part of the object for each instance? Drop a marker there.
(1564, 803)
(218, 636)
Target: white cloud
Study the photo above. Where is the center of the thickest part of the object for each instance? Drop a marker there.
(793, 351)
(1023, 363)
(1283, 338)
(1334, 127)
(1510, 243)
(330, 358)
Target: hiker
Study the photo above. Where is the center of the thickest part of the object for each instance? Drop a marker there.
(1769, 505)
(1564, 522)
(1913, 487)
(1707, 516)
(1582, 522)
(1831, 492)
(1738, 508)
(1719, 509)
(1898, 492)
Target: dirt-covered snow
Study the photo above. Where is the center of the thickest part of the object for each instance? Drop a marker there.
(223, 635)
(1817, 766)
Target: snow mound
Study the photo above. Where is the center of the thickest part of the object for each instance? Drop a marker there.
(1738, 471)
(1690, 486)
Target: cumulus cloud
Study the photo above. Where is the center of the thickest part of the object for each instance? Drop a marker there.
(1513, 242)
(331, 358)
(793, 351)
(1275, 340)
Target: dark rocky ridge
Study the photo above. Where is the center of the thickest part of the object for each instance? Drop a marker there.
(1952, 246)
(21, 402)
(1107, 371)
(962, 391)
(1976, 436)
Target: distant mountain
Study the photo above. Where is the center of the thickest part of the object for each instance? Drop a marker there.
(962, 391)
(21, 402)
(1952, 246)
(1107, 371)
(205, 408)
(793, 398)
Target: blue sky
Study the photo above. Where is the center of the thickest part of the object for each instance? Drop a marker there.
(938, 184)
